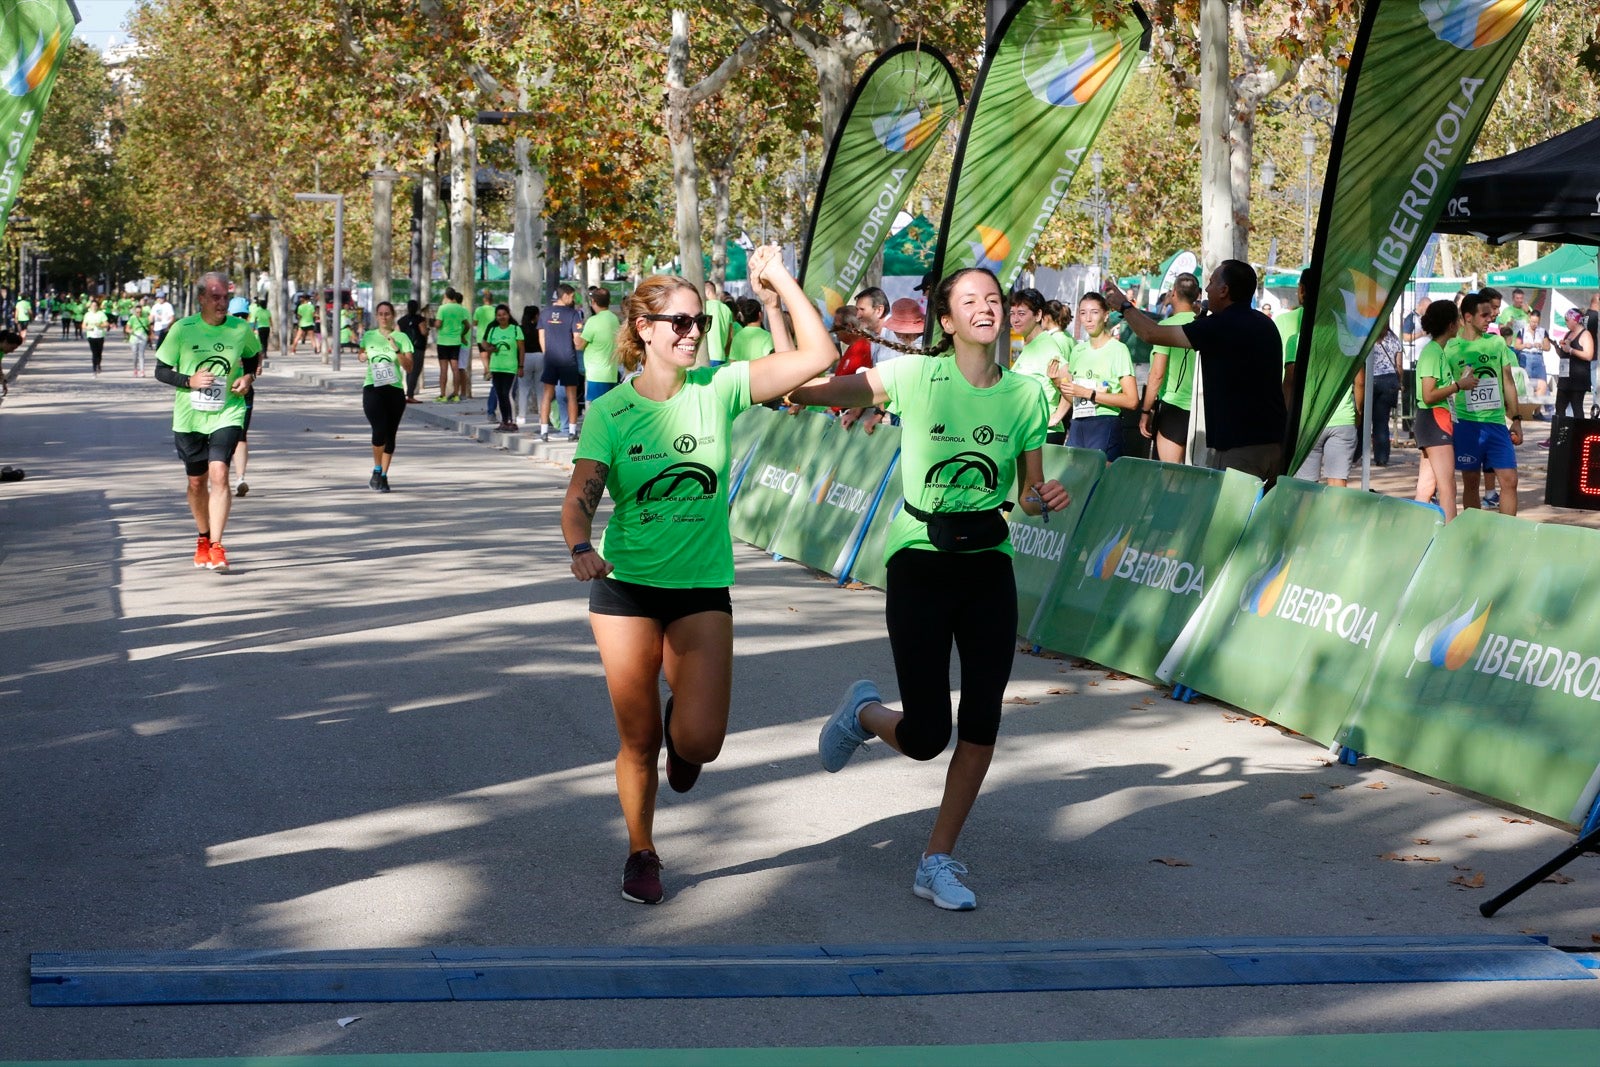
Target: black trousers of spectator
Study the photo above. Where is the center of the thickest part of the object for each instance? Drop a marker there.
(1569, 400)
(414, 375)
(97, 347)
(1385, 394)
(502, 391)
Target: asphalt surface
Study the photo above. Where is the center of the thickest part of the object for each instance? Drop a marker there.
(387, 727)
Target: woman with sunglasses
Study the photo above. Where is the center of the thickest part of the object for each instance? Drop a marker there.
(969, 429)
(659, 601)
(387, 352)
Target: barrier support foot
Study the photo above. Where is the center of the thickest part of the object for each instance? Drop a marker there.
(1583, 844)
(1348, 756)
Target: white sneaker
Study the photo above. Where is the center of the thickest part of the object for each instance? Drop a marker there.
(937, 881)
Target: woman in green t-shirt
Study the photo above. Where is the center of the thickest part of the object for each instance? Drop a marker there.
(139, 336)
(969, 429)
(387, 353)
(1103, 383)
(502, 351)
(1437, 381)
(1043, 357)
(659, 601)
(95, 324)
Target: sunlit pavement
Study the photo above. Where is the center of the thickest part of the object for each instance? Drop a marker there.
(387, 727)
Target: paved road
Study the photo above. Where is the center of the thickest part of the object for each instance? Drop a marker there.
(387, 727)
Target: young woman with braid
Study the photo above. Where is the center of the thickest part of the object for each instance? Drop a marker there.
(659, 444)
(969, 428)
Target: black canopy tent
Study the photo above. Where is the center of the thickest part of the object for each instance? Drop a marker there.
(1548, 192)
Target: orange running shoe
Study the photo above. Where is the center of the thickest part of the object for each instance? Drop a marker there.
(202, 551)
(219, 557)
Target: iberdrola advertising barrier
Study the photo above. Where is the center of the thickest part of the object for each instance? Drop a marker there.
(870, 566)
(827, 517)
(1291, 625)
(748, 430)
(1490, 678)
(775, 473)
(1151, 541)
(1038, 544)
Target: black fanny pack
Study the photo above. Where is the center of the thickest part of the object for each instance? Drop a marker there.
(962, 531)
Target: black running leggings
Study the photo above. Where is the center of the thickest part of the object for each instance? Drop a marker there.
(1570, 400)
(384, 405)
(502, 390)
(97, 347)
(936, 599)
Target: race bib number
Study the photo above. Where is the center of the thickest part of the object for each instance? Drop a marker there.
(1485, 396)
(211, 398)
(385, 372)
(1082, 406)
(1566, 367)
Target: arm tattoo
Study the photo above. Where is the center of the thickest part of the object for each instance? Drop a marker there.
(593, 490)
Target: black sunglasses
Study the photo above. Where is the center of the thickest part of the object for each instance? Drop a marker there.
(681, 322)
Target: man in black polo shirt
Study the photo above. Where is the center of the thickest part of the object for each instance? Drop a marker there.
(1241, 358)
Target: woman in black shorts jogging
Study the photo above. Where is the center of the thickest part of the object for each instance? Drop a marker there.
(969, 429)
(387, 352)
(659, 444)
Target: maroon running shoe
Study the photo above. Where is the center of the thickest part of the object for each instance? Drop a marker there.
(641, 878)
(681, 774)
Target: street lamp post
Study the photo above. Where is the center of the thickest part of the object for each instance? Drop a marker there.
(337, 200)
(1102, 213)
(1308, 145)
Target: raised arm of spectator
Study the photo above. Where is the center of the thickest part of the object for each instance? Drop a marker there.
(1144, 327)
(772, 306)
(814, 352)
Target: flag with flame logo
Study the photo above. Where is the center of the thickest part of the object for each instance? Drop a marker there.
(901, 106)
(1423, 77)
(1050, 79)
(33, 36)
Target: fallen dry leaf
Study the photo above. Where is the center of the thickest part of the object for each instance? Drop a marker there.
(1459, 867)
(1116, 676)
(1228, 716)
(1421, 841)
(1149, 700)
(1056, 692)
(1413, 858)
(794, 609)
(1018, 700)
(1595, 938)
(1527, 931)
(1256, 720)
(1377, 785)
(1559, 879)
(1524, 822)
(1475, 882)
(1308, 796)
(1336, 787)
(1094, 683)
(1325, 762)
(1170, 862)
(1471, 835)
(857, 585)
(1433, 792)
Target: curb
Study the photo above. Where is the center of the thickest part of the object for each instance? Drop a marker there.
(480, 429)
(20, 358)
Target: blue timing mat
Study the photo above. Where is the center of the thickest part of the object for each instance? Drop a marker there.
(64, 979)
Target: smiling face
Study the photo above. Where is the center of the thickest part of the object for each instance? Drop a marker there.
(661, 341)
(975, 310)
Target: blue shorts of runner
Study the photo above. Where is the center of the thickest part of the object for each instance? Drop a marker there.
(1100, 432)
(1484, 446)
(199, 450)
(608, 596)
(595, 390)
(1433, 428)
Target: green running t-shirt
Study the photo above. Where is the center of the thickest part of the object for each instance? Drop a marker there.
(1433, 363)
(1485, 357)
(306, 314)
(1101, 369)
(95, 323)
(139, 323)
(1177, 388)
(1034, 361)
(600, 346)
(1288, 324)
(667, 473)
(718, 338)
(191, 345)
(261, 316)
(502, 342)
(24, 311)
(383, 357)
(452, 320)
(959, 444)
(482, 320)
(752, 342)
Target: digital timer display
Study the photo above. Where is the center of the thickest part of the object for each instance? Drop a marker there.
(1574, 480)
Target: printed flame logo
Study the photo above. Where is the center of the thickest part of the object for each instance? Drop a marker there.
(826, 483)
(1361, 310)
(991, 249)
(1450, 640)
(907, 128)
(1060, 82)
(26, 72)
(1103, 560)
(1262, 592)
(1472, 24)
